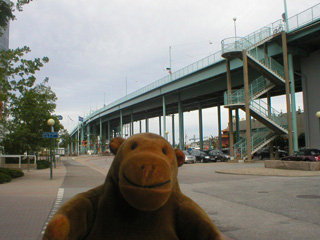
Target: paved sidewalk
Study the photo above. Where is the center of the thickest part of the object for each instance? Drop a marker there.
(26, 202)
(262, 171)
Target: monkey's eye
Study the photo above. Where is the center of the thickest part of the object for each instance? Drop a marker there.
(164, 150)
(134, 146)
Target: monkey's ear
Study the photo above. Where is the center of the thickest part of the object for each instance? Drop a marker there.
(115, 143)
(180, 157)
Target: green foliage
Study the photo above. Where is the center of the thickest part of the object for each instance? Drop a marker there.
(26, 105)
(7, 174)
(65, 137)
(5, 177)
(42, 164)
(7, 10)
(6, 13)
(16, 173)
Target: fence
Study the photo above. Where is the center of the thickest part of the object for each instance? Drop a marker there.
(3, 163)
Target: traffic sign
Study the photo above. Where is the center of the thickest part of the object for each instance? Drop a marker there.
(50, 134)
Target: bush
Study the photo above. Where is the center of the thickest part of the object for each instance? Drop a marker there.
(4, 177)
(7, 174)
(42, 164)
(16, 173)
(5, 171)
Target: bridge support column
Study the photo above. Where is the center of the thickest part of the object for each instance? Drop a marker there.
(173, 132)
(100, 134)
(229, 87)
(181, 126)
(237, 125)
(164, 118)
(88, 138)
(247, 103)
(78, 141)
(200, 127)
(269, 114)
(293, 103)
(121, 123)
(140, 126)
(286, 73)
(160, 126)
(219, 127)
(131, 125)
(109, 132)
(147, 124)
(82, 148)
(71, 150)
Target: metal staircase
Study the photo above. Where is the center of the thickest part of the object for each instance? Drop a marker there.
(272, 75)
(259, 139)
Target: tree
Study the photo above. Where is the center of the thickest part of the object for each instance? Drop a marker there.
(29, 112)
(7, 9)
(65, 138)
(26, 105)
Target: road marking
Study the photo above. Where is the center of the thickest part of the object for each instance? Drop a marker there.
(55, 208)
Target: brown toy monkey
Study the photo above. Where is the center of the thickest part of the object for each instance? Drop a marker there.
(140, 199)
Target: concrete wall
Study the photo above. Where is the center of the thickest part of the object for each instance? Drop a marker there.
(311, 85)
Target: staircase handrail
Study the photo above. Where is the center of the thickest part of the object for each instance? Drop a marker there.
(234, 96)
(270, 64)
(237, 96)
(234, 44)
(262, 107)
(259, 35)
(258, 136)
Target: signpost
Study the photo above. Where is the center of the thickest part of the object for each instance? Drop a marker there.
(51, 135)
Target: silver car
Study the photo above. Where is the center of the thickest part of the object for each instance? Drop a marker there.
(189, 158)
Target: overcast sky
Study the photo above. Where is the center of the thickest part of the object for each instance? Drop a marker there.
(94, 46)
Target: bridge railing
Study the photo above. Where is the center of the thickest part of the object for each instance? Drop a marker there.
(305, 17)
(202, 63)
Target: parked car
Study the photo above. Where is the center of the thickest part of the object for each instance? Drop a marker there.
(304, 155)
(219, 155)
(265, 153)
(189, 158)
(202, 156)
(226, 151)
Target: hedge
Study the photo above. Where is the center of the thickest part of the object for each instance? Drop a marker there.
(7, 174)
(42, 164)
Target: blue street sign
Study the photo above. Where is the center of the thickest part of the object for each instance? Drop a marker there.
(60, 117)
(50, 134)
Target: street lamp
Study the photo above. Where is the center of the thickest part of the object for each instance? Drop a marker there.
(235, 28)
(50, 123)
(166, 133)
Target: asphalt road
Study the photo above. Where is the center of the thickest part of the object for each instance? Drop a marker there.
(242, 206)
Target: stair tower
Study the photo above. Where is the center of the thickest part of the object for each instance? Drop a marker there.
(253, 52)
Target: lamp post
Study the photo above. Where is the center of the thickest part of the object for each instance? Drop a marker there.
(50, 123)
(235, 27)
